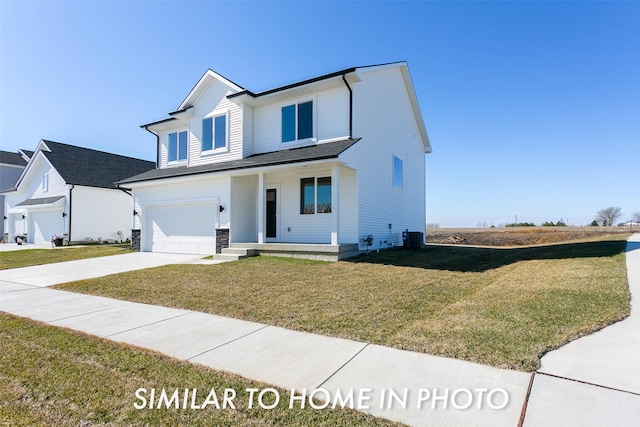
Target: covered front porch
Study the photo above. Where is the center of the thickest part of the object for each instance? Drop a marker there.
(305, 210)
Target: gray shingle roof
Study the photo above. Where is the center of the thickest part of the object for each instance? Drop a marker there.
(10, 158)
(40, 201)
(327, 150)
(92, 168)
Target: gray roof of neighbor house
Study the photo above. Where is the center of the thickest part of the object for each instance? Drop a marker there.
(10, 158)
(324, 151)
(92, 168)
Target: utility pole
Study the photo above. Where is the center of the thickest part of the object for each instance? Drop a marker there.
(516, 220)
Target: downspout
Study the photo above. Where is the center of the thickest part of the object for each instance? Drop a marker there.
(157, 146)
(350, 106)
(70, 209)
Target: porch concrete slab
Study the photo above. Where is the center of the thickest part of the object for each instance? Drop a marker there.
(560, 402)
(187, 336)
(62, 272)
(119, 319)
(383, 370)
(286, 358)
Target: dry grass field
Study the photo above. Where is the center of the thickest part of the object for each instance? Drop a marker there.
(518, 236)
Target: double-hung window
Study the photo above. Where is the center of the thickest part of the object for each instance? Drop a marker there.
(297, 121)
(315, 195)
(214, 133)
(177, 146)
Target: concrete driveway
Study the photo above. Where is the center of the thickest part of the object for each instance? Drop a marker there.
(69, 271)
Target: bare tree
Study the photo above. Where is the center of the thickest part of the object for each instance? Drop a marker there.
(608, 216)
(635, 217)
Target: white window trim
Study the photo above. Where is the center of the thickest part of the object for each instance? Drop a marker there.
(315, 194)
(314, 122)
(393, 172)
(45, 183)
(178, 161)
(227, 137)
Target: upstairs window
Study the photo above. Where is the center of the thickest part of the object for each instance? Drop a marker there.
(214, 133)
(297, 121)
(397, 172)
(45, 182)
(315, 195)
(177, 146)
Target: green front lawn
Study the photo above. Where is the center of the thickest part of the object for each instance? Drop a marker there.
(29, 257)
(501, 307)
(55, 377)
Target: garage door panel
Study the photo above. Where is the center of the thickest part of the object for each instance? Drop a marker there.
(182, 228)
(44, 225)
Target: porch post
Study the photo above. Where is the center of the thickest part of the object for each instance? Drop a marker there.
(261, 207)
(335, 203)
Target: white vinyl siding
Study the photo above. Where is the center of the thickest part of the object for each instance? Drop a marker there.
(100, 212)
(383, 117)
(244, 226)
(330, 116)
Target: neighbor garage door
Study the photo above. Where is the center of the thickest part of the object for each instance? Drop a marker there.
(181, 229)
(44, 225)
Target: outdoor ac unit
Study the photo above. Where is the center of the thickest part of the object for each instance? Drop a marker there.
(413, 239)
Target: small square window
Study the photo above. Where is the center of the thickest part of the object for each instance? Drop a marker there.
(397, 172)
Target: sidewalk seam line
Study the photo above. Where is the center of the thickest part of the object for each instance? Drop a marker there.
(82, 314)
(228, 342)
(588, 383)
(343, 365)
(147, 324)
(525, 405)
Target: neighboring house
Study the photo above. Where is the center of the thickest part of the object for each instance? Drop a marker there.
(70, 190)
(310, 168)
(11, 167)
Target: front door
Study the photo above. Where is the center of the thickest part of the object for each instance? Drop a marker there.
(272, 213)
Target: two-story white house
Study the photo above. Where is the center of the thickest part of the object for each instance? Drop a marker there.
(307, 169)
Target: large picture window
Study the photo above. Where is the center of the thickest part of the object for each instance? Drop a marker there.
(297, 121)
(315, 195)
(214, 133)
(177, 146)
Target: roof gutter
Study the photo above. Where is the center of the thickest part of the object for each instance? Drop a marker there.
(70, 209)
(146, 127)
(344, 79)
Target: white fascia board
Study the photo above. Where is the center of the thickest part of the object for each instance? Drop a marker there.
(34, 159)
(201, 86)
(411, 92)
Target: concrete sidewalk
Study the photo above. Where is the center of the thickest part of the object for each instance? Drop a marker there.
(584, 383)
(594, 380)
(439, 391)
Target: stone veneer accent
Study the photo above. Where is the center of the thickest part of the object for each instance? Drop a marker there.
(135, 240)
(222, 239)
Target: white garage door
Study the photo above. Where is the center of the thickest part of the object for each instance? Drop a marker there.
(44, 225)
(181, 229)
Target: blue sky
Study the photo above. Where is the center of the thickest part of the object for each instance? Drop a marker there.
(532, 108)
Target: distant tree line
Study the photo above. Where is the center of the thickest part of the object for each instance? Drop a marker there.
(610, 216)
